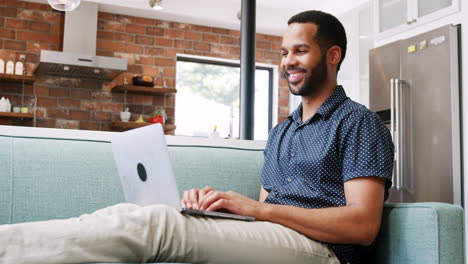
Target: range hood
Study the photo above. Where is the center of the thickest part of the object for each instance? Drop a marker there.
(78, 58)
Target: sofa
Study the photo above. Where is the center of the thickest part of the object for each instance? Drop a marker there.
(54, 173)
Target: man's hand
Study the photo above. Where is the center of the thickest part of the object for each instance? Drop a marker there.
(210, 199)
(232, 202)
(193, 197)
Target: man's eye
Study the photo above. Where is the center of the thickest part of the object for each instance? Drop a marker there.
(284, 54)
(301, 51)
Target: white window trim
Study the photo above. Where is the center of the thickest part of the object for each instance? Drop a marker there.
(274, 68)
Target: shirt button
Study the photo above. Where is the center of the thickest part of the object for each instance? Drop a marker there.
(293, 154)
(288, 179)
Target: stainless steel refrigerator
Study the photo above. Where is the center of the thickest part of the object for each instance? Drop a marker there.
(415, 89)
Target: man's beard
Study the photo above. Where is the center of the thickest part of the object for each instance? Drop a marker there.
(313, 79)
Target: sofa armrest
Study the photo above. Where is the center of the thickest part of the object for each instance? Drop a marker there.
(420, 233)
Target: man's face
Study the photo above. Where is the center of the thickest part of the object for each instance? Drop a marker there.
(302, 63)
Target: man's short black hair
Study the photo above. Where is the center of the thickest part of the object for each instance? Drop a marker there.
(330, 31)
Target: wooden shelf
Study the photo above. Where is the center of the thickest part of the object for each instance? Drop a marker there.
(143, 90)
(11, 115)
(17, 78)
(123, 126)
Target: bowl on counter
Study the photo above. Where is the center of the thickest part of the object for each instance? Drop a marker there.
(144, 80)
(125, 116)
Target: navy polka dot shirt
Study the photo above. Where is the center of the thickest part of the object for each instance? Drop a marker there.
(307, 163)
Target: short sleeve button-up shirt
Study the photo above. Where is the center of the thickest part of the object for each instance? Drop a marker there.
(307, 163)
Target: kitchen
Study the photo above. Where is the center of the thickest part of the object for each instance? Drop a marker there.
(150, 47)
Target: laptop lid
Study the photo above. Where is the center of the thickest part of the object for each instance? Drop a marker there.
(142, 160)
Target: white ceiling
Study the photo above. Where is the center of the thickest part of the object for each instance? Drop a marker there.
(272, 15)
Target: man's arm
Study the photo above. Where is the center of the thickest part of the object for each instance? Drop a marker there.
(357, 222)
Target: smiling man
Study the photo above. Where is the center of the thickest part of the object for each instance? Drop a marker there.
(328, 166)
(325, 178)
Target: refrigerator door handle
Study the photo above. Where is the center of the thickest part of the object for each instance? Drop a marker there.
(398, 132)
(392, 129)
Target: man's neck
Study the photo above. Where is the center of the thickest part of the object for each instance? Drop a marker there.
(310, 104)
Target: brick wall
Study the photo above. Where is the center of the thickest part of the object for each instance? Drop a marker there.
(149, 45)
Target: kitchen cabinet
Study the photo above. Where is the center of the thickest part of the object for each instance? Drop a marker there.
(395, 16)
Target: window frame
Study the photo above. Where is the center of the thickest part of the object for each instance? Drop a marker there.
(272, 73)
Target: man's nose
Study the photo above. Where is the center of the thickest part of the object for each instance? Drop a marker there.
(289, 60)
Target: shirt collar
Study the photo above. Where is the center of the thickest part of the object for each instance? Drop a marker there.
(326, 109)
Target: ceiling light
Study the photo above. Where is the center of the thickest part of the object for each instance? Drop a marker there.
(156, 4)
(64, 5)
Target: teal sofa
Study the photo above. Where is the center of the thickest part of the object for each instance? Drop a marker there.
(54, 173)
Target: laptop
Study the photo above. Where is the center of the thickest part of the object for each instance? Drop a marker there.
(142, 160)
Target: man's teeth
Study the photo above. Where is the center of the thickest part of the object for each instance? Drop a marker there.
(295, 75)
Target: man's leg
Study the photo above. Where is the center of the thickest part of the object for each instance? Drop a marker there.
(128, 233)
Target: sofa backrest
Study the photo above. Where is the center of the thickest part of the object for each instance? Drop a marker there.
(44, 178)
(223, 168)
(50, 173)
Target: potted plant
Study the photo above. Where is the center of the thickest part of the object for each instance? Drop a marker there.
(158, 116)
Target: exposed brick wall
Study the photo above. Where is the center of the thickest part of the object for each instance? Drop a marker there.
(149, 45)
(26, 28)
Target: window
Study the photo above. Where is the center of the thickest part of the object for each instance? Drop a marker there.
(208, 95)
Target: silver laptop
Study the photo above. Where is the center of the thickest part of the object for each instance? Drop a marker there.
(142, 160)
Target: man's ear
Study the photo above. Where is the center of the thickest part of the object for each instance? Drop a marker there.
(334, 55)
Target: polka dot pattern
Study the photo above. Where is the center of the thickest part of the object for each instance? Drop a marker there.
(307, 163)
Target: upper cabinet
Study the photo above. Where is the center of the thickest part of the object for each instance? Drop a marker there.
(395, 16)
(392, 14)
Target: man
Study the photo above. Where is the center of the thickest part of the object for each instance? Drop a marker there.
(326, 174)
(331, 153)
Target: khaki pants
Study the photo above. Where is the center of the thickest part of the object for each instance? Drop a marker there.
(129, 233)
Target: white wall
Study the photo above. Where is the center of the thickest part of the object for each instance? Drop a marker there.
(366, 43)
(348, 76)
(354, 73)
